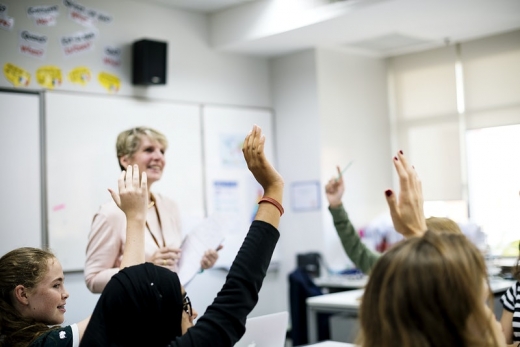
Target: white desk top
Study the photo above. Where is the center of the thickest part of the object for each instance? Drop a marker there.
(332, 344)
(499, 285)
(342, 300)
(351, 299)
(341, 281)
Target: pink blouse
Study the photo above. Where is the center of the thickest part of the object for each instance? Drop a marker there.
(108, 235)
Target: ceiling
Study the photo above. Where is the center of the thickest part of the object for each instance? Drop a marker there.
(374, 27)
(203, 6)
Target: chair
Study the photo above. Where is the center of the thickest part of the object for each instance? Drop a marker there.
(302, 287)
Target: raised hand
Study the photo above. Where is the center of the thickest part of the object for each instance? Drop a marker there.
(264, 173)
(334, 189)
(132, 198)
(407, 209)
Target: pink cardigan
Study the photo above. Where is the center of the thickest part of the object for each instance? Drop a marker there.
(108, 235)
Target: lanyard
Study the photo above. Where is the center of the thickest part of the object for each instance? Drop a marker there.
(160, 225)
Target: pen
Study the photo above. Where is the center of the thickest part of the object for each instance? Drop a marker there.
(344, 169)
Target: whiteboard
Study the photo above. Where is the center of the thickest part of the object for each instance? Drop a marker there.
(231, 190)
(82, 162)
(20, 183)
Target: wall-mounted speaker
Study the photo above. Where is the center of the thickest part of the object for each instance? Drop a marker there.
(149, 62)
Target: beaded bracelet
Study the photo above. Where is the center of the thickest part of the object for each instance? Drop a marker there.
(274, 202)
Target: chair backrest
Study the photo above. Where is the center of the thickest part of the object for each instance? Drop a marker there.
(310, 262)
(301, 287)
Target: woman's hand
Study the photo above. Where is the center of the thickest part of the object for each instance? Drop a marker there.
(334, 189)
(133, 201)
(167, 257)
(210, 258)
(407, 209)
(132, 198)
(264, 173)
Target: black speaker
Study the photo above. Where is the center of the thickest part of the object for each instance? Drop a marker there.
(149, 62)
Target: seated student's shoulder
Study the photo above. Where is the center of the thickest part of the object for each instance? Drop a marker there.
(59, 337)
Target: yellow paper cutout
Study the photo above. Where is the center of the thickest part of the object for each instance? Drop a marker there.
(110, 82)
(49, 76)
(80, 75)
(16, 75)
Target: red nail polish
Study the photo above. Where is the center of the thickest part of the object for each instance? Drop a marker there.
(395, 158)
(401, 152)
(388, 192)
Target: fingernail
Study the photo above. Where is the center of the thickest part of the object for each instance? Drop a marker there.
(400, 151)
(388, 192)
(395, 158)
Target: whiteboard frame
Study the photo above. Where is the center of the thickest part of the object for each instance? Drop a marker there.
(41, 161)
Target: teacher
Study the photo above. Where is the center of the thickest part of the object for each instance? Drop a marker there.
(144, 147)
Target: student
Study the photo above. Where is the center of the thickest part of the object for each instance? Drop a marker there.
(145, 147)
(145, 305)
(510, 319)
(426, 291)
(362, 256)
(33, 297)
(32, 290)
(429, 291)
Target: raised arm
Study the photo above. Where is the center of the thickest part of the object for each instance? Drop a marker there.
(223, 323)
(266, 175)
(356, 250)
(334, 190)
(407, 209)
(132, 199)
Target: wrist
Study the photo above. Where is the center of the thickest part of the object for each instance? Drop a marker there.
(274, 202)
(276, 194)
(136, 221)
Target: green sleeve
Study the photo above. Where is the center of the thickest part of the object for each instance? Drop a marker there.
(357, 251)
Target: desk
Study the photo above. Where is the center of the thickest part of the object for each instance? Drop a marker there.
(331, 344)
(342, 302)
(348, 303)
(341, 282)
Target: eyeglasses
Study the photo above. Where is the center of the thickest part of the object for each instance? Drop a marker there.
(186, 305)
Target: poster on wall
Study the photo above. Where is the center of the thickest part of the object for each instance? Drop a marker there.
(44, 15)
(112, 56)
(110, 82)
(32, 44)
(17, 76)
(6, 22)
(78, 43)
(49, 76)
(85, 16)
(80, 75)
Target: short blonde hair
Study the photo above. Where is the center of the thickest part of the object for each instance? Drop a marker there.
(129, 141)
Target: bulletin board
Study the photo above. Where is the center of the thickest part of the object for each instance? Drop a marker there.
(232, 192)
(82, 163)
(21, 194)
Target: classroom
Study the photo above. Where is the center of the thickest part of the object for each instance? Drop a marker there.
(332, 83)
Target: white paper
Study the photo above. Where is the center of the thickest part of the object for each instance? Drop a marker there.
(207, 235)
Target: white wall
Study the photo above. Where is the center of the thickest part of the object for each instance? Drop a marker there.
(297, 124)
(330, 108)
(354, 126)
